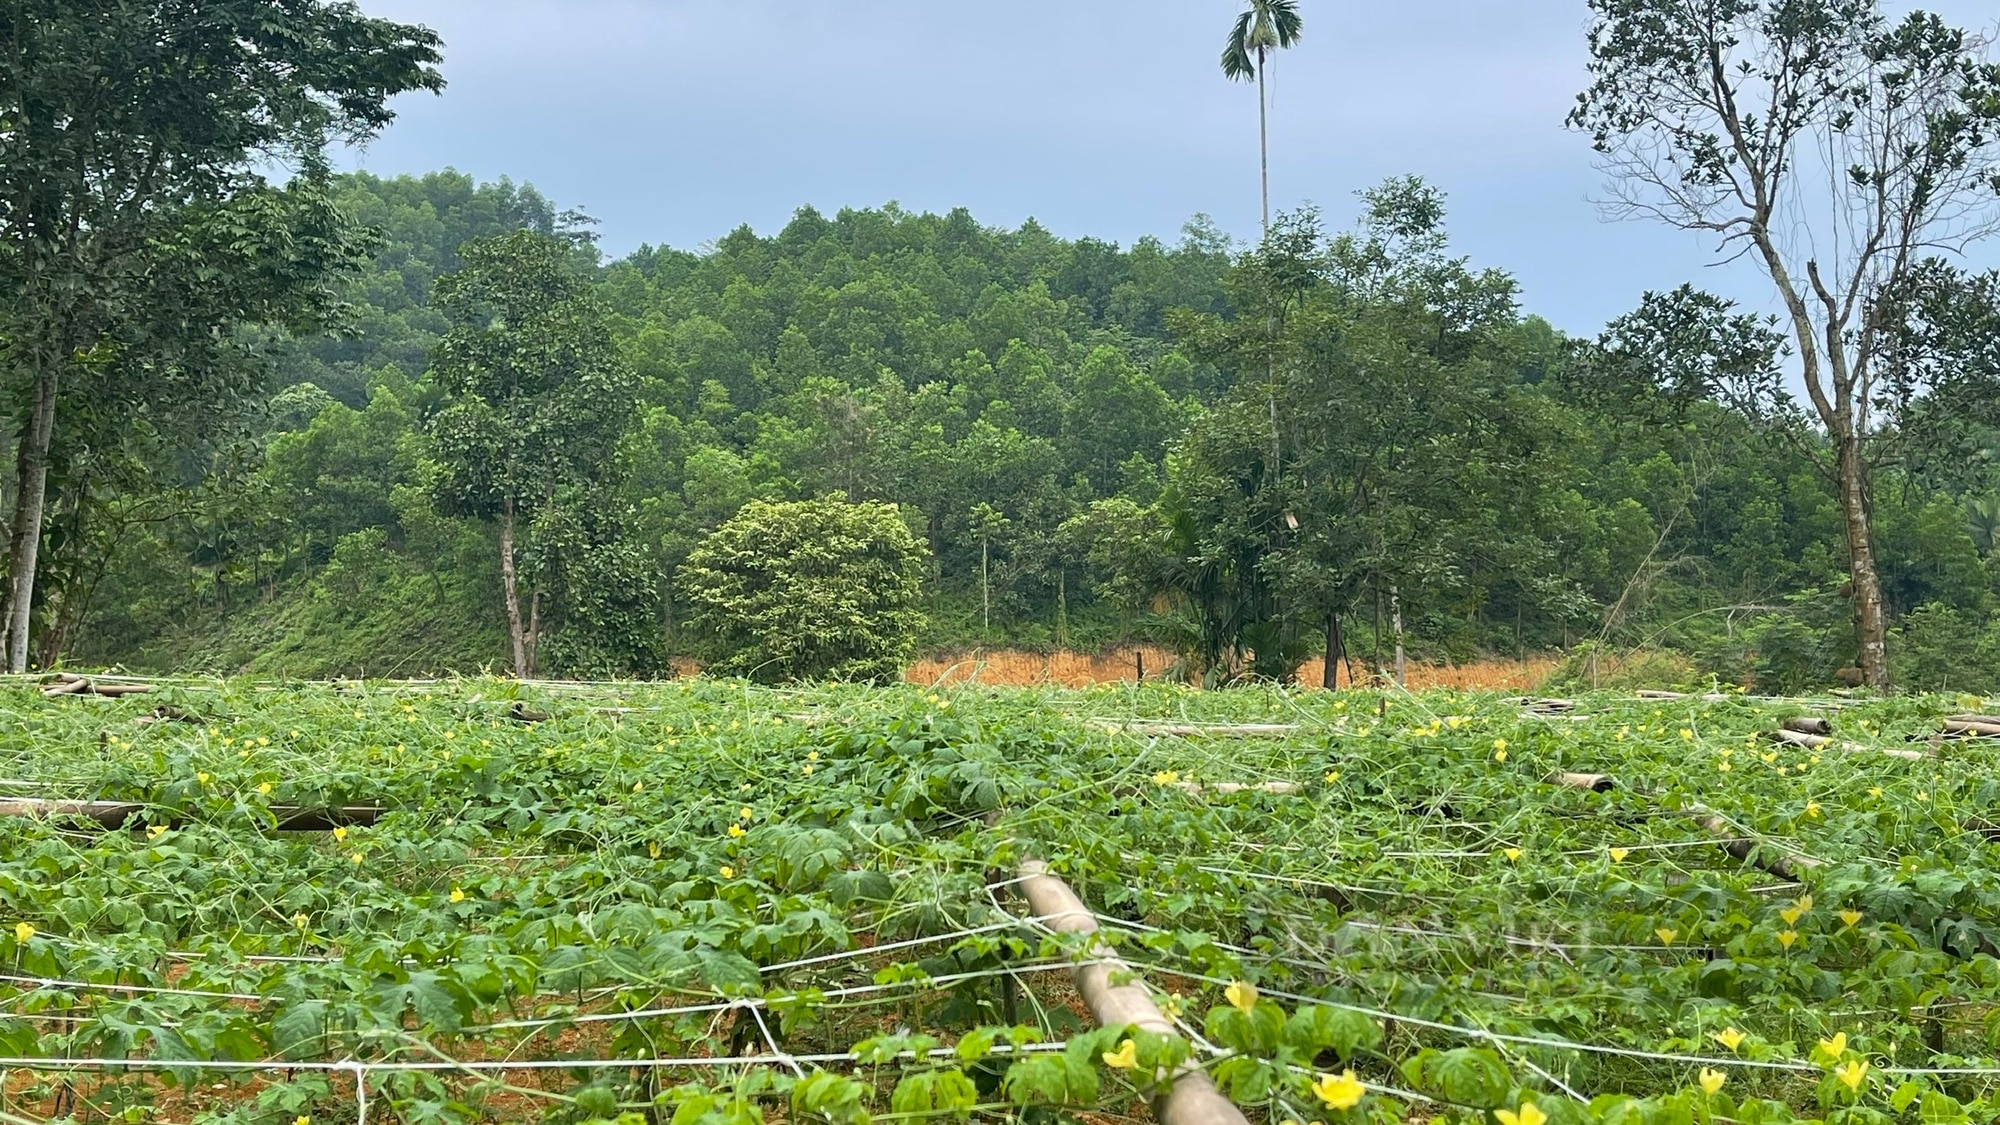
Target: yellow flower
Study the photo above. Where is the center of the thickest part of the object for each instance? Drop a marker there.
(638, 785)
(1339, 1091)
(1729, 1037)
(1513, 854)
(1770, 757)
(458, 894)
(339, 832)
(1241, 995)
(1499, 755)
(1851, 917)
(1787, 937)
(1124, 1058)
(813, 756)
(1500, 744)
(357, 857)
(654, 848)
(301, 1119)
(736, 831)
(1666, 935)
(264, 788)
(1687, 735)
(726, 871)
(300, 920)
(1875, 791)
(1812, 809)
(808, 771)
(1805, 902)
(1166, 777)
(744, 813)
(200, 778)
(1725, 767)
(1712, 1080)
(23, 932)
(1791, 915)
(1171, 1007)
(1618, 854)
(155, 831)
(1835, 1047)
(1851, 1073)
(1528, 1114)
(1332, 776)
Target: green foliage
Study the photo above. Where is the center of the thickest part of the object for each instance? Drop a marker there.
(805, 875)
(1940, 648)
(535, 402)
(806, 590)
(143, 246)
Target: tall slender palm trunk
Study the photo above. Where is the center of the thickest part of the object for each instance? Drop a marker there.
(1263, 143)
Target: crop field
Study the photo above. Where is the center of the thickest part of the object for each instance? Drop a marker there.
(711, 904)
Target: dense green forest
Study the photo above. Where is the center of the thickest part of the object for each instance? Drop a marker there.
(1093, 422)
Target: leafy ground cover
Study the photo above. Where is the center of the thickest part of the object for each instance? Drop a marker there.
(717, 905)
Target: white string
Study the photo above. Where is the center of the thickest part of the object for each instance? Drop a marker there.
(50, 1065)
(93, 986)
(360, 1072)
(762, 1001)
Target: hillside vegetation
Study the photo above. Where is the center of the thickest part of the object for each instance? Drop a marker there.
(1080, 412)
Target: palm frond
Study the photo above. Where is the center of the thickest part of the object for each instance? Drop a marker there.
(1285, 20)
(1236, 61)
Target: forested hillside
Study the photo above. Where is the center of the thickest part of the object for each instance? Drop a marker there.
(1083, 436)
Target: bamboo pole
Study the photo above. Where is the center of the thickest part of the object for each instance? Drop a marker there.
(1198, 730)
(1200, 787)
(1785, 865)
(1193, 1100)
(116, 814)
(1594, 782)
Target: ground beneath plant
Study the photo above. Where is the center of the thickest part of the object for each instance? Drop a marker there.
(1013, 668)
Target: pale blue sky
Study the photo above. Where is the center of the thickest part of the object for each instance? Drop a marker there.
(674, 121)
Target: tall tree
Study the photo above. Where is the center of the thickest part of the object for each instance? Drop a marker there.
(1266, 27)
(1830, 146)
(116, 117)
(537, 397)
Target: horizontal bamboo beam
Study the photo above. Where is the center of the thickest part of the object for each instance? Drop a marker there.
(1594, 782)
(1200, 787)
(116, 814)
(1198, 730)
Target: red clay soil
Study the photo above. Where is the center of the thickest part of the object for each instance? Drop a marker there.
(1075, 669)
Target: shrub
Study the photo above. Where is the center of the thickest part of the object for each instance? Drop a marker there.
(815, 589)
(1590, 667)
(1938, 648)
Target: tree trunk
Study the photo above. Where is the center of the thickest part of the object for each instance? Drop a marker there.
(534, 632)
(1870, 625)
(985, 590)
(28, 507)
(1396, 623)
(1336, 647)
(514, 631)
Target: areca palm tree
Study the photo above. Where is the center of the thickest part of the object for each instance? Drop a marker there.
(1266, 27)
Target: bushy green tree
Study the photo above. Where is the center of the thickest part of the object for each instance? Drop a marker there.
(537, 400)
(137, 228)
(805, 590)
